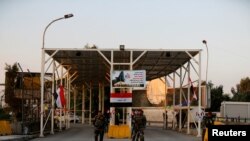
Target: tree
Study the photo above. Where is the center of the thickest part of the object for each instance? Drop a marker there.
(244, 86)
(88, 46)
(217, 96)
(242, 91)
(10, 83)
(4, 115)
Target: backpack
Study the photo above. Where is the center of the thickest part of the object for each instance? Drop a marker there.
(99, 122)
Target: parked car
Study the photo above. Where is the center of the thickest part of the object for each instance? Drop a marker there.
(72, 118)
(63, 120)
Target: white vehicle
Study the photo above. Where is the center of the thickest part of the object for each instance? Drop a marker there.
(63, 120)
(72, 118)
(235, 110)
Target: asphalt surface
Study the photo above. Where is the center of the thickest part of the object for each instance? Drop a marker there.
(81, 132)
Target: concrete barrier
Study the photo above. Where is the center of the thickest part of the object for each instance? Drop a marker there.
(119, 131)
(5, 128)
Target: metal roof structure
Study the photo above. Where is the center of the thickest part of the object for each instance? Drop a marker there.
(93, 65)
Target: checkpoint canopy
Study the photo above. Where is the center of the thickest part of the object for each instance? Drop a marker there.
(94, 65)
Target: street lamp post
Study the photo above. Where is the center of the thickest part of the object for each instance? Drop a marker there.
(207, 93)
(205, 42)
(42, 71)
(207, 85)
(65, 17)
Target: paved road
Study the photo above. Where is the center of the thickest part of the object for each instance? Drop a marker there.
(80, 132)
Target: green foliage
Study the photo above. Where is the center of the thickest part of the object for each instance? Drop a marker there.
(242, 91)
(10, 83)
(3, 115)
(244, 97)
(217, 97)
(11, 69)
(244, 86)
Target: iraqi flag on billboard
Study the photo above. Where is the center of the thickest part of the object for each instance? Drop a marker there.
(59, 97)
(121, 98)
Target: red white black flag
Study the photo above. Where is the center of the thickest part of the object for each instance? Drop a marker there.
(60, 99)
(192, 89)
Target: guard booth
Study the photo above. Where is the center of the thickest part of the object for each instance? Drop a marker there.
(79, 70)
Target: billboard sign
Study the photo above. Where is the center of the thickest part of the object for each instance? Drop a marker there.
(129, 79)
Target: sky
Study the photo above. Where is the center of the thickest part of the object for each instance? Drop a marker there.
(138, 24)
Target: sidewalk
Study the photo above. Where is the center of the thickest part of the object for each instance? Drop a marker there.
(16, 137)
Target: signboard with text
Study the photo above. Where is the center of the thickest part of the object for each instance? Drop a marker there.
(128, 79)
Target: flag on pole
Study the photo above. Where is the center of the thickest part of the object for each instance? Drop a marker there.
(60, 99)
(192, 89)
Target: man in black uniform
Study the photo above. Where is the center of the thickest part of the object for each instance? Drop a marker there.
(99, 123)
(139, 124)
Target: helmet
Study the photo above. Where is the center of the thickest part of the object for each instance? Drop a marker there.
(136, 112)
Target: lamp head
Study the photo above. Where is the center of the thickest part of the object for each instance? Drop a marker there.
(68, 16)
(204, 42)
(122, 47)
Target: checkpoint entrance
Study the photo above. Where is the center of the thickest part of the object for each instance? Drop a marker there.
(79, 70)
